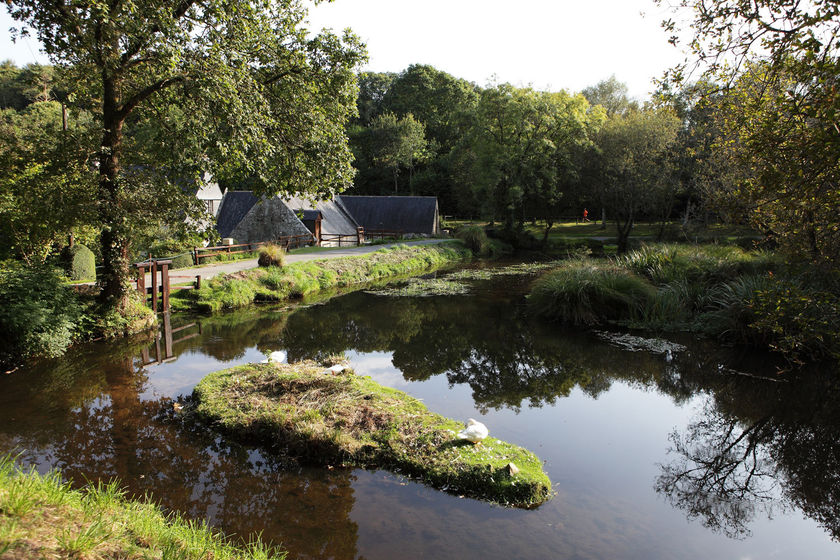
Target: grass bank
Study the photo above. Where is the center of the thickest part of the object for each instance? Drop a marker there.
(739, 296)
(42, 517)
(299, 279)
(343, 419)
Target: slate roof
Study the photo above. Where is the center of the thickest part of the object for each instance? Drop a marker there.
(310, 215)
(334, 219)
(235, 205)
(409, 214)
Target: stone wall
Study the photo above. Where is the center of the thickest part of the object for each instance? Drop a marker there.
(266, 221)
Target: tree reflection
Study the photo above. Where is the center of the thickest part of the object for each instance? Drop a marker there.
(757, 447)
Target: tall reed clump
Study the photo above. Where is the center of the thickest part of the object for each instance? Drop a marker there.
(475, 238)
(584, 292)
(42, 517)
(271, 255)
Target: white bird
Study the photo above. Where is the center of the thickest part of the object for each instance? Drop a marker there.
(276, 357)
(336, 369)
(668, 355)
(473, 431)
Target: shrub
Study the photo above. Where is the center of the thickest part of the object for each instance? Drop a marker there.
(475, 238)
(79, 263)
(40, 313)
(271, 255)
(137, 317)
(184, 260)
(587, 293)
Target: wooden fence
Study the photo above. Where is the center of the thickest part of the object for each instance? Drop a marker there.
(288, 242)
(163, 286)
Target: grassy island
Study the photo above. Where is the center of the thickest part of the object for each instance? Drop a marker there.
(295, 280)
(343, 419)
(42, 517)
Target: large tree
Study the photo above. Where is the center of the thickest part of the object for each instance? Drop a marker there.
(239, 84)
(778, 67)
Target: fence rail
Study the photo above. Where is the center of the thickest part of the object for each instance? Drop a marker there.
(372, 234)
(288, 242)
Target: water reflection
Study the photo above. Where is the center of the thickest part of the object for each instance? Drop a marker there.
(754, 442)
(758, 446)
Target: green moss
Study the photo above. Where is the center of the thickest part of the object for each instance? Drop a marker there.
(301, 279)
(344, 419)
(41, 517)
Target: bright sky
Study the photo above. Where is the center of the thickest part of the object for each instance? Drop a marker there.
(548, 44)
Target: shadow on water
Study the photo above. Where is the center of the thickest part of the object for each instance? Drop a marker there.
(760, 444)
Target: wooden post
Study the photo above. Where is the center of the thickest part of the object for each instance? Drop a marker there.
(360, 235)
(195, 256)
(164, 277)
(197, 281)
(154, 286)
(141, 280)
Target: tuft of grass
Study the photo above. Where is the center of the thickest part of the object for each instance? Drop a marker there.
(343, 419)
(475, 238)
(583, 292)
(98, 522)
(271, 255)
(300, 279)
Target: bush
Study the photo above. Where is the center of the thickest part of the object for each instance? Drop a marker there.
(587, 293)
(271, 255)
(184, 260)
(79, 263)
(40, 313)
(475, 238)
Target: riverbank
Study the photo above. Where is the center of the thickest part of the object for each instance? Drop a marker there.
(739, 296)
(272, 284)
(337, 418)
(41, 517)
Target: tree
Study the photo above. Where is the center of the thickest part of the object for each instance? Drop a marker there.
(523, 143)
(397, 143)
(634, 163)
(612, 96)
(778, 68)
(254, 95)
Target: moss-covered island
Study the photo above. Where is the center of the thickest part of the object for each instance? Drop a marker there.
(339, 418)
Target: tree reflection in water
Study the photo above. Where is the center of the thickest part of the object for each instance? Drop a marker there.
(759, 447)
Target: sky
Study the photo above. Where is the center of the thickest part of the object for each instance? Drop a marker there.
(546, 44)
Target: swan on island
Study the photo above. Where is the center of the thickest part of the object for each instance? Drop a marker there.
(473, 431)
(277, 357)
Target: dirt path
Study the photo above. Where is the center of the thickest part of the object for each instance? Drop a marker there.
(209, 271)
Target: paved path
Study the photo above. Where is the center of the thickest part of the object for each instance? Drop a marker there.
(211, 270)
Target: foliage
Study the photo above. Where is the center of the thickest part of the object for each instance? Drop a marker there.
(45, 188)
(41, 315)
(133, 318)
(776, 64)
(348, 420)
(182, 260)
(79, 263)
(396, 143)
(633, 165)
(612, 95)
(271, 255)
(586, 293)
(46, 517)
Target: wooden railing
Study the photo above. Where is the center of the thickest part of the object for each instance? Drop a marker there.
(288, 242)
(371, 234)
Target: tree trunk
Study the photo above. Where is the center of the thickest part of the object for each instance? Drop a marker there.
(603, 218)
(114, 238)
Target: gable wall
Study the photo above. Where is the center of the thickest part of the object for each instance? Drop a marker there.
(268, 220)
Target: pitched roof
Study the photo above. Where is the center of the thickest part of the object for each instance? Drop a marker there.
(410, 214)
(235, 205)
(334, 219)
(208, 189)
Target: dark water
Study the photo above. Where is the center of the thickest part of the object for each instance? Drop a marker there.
(710, 455)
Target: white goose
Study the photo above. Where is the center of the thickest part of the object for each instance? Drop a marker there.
(473, 431)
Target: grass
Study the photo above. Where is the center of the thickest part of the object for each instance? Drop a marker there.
(42, 517)
(424, 287)
(299, 279)
(347, 420)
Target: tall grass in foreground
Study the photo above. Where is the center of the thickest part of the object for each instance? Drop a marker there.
(41, 517)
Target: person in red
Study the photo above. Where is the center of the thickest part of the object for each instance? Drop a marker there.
(585, 215)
